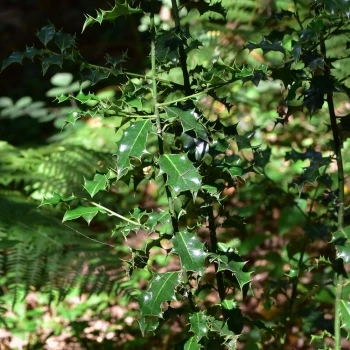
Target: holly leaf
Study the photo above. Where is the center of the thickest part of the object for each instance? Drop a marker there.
(192, 344)
(189, 121)
(236, 267)
(95, 75)
(64, 40)
(344, 312)
(154, 218)
(46, 34)
(55, 198)
(47, 61)
(191, 252)
(15, 57)
(181, 174)
(99, 183)
(341, 240)
(121, 8)
(161, 289)
(87, 213)
(199, 325)
(132, 144)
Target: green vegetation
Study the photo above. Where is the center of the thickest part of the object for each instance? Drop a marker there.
(199, 202)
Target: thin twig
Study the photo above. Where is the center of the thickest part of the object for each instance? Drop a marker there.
(89, 238)
(338, 154)
(172, 212)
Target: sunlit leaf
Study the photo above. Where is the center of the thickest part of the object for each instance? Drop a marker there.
(189, 121)
(162, 288)
(87, 213)
(132, 144)
(181, 174)
(192, 344)
(344, 311)
(121, 8)
(191, 251)
(99, 183)
(199, 325)
(236, 268)
(55, 198)
(341, 240)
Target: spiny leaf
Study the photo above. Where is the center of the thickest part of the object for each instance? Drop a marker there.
(192, 344)
(162, 288)
(236, 268)
(344, 311)
(99, 183)
(115, 60)
(82, 98)
(31, 52)
(121, 8)
(47, 61)
(55, 198)
(64, 40)
(46, 34)
(341, 240)
(87, 213)
(190, 250)
(199, 325)
(189, 121)
(182, 175)
(95, 75)
(132, 144)
(15, 57)
(155, 218)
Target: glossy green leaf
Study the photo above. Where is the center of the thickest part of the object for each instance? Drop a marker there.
(191, 251)
(192, 344)
(46, 34)
(31, 52)
(189, 121)
(47, 61)
(199, 325)
(55, 198)
(181, 174)
(15, 57)
(82, 98)
(221, 328)
(344, 312)
(99, 183)
(154, 218)
(236, 268)
(73, 116)
(95, 75)
(148, 324)
(87, 213)
(162, 288)
(132, 144)
(64, 40)
(341, 240)
(121, 8)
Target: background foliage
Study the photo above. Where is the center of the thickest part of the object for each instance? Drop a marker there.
(212, 161)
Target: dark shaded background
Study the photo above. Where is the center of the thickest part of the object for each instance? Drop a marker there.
(20, 19)
(19, 22)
